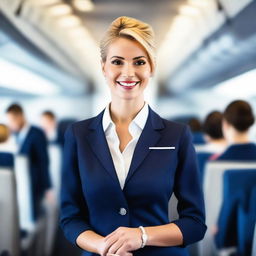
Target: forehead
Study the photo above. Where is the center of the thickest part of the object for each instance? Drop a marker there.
(126, 48)
(13, 115)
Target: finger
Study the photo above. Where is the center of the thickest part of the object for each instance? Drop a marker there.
(115, 246)
(108, 244)
(126, 254)
(122, 251)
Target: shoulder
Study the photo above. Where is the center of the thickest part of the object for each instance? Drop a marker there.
(83, 126)
(36, 131)
(175, 128)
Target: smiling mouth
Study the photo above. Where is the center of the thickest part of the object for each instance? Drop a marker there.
(128, 85)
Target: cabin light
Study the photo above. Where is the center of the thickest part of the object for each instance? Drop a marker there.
(189, 10)
(68, 21)
(60, 9)
(83, 5)
(239, 86)
(78, 32)
(23, 80)
(205, 3)
(47, 2)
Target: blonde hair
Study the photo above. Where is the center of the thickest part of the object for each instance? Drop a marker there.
(133, 29)
(4, 133)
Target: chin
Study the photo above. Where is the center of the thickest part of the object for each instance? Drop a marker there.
(129, 97)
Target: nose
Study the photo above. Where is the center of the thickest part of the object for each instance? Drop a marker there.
(128, 70)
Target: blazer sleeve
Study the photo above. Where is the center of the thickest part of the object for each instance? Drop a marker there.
(73, 207)
(188, 190)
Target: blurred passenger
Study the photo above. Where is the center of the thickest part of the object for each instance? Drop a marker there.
(237, 119)
(6, 157)
(196, 129)
(31, 141)
(212, 128)
(49, 125)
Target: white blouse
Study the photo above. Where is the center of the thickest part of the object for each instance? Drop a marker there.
(122, 160)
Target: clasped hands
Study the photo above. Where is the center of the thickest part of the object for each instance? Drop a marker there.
(121, 242)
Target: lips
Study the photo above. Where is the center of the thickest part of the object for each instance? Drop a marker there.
(128, 84)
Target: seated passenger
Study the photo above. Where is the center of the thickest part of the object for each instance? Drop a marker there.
(212, 128)
(237, 119)
(196, 129)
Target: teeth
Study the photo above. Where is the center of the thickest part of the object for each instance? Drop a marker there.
(127, 84)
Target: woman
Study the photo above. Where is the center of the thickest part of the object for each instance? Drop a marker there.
(212, 128)
(121, 167)
(238, 117)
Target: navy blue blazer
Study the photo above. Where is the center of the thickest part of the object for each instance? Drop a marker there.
(91, 196)
(35, 148)
(239, 152)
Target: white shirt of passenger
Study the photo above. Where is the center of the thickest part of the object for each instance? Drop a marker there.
(22, 135)
(122, 160)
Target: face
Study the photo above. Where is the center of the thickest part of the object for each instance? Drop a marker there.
(127, 69)
(15, 121)
(47, 123)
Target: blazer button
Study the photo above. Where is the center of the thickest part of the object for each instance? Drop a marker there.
(122, 211)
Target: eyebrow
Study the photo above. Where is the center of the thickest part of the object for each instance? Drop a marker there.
(135, 58)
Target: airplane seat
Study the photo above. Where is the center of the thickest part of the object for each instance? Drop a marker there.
(9, 220)
(6, 159)
(5, 253)
(246, 222)
(213, 188)
(236, 217)
(33, 229)
(24, 201)
(202, 158)
(198, 138)
(55, 155)
(52, 209)
(254, 242)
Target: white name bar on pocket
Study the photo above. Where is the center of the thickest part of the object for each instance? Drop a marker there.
(161, 147)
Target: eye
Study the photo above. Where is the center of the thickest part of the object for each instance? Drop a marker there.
(140, 62)
(116, 62)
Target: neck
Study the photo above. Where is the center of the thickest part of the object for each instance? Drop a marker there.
(124, 111)
(23, 124)
(239, 138)
(218, 141)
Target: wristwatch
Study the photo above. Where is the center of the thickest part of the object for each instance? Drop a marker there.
(144, 236)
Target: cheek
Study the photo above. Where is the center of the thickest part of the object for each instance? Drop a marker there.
(145, 75)
(111, 74)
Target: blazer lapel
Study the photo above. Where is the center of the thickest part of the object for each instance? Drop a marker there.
(97, 139)
(149, 137)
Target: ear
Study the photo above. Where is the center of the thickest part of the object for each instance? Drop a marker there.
(102, 67)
